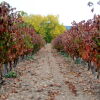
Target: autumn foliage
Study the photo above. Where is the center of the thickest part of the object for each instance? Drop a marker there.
(82, 41)
(17, 38)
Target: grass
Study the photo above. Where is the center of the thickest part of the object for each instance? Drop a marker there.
(64, 54)
(11, 74)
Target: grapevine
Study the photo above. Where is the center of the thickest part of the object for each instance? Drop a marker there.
(82, 41)
(17, 38)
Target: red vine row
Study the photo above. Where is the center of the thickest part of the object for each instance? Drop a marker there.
(17, 38)
(82, 41)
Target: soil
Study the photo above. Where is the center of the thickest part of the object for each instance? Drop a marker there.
(50, 76)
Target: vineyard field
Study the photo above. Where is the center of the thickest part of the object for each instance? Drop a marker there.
(41, 59)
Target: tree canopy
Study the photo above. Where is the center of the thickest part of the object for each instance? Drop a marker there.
(48, 26)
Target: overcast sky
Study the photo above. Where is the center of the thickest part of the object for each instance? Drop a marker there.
(68, 10)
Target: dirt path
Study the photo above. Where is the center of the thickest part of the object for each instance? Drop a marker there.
(50, 76)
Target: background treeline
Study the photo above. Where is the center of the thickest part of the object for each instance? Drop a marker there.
(47, 26)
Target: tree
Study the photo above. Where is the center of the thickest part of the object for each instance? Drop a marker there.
(48, 26)
(23, 13)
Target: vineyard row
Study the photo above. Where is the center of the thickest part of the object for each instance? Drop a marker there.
(17, 38)
(82, 41)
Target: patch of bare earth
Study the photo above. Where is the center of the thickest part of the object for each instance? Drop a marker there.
(50, 76)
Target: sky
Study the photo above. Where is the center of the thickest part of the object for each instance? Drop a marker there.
(67, 10)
